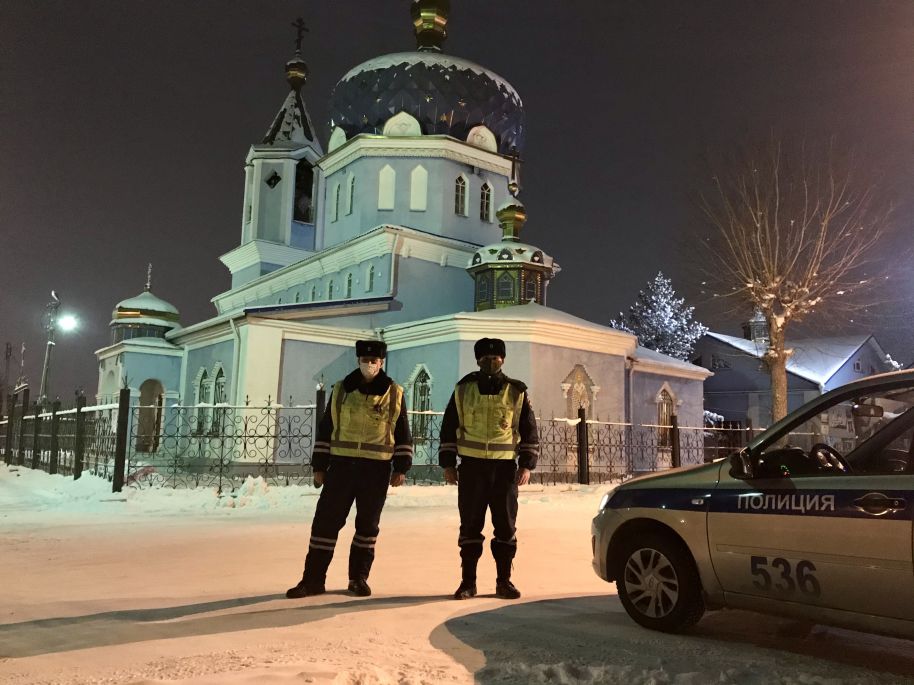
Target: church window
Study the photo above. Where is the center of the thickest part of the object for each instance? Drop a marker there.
(485, 202)
(387, 181)
(304, 186)
(418, 189)
(350, 193)
(370, 280)
(297, 297)
(330, 288)
(280, 301)
(530, 288)
(460, 196)
(505, 287)
(421, 402)
(219, 398)
(203, 397)
(348, 285)
(313, 293)
(482, 288)
(665, 419)
(335, 205)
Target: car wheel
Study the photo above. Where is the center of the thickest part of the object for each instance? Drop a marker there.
(658, 583)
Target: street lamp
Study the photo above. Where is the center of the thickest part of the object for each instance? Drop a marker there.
(54, 319)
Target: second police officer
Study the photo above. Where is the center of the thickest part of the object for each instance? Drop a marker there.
(363, 445)
(488, 423)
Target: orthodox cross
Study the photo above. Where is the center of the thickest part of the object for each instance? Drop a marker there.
(513, 186)
(149, 277)
(300, 27)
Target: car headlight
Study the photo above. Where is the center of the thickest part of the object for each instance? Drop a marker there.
(604, 501)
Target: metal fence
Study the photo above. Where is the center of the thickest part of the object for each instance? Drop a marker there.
(219, 446)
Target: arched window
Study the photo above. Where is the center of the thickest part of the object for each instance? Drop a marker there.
(460, 196)
(530, 289)
(335, 208)
(387, 183)
(297, 297)
(370, 279)
(418, 189)
(665, 419)
(482, 288)
(219, 398)
(350, 193)
(421, 402)
(348, 285)
(330, 288)
(203, 398)
(485, 202)
(313, 293)
(505, 287)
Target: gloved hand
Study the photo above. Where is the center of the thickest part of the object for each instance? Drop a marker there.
(318, 478)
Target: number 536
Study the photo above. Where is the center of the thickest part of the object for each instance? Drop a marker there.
(786, 578)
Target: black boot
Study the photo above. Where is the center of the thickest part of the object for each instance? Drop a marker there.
(467, 590)
(504, 589)
(359, 587)
(305, 589)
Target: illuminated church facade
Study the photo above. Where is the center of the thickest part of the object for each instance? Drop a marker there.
(405, 227)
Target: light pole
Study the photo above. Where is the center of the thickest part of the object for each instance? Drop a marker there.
(54, 319)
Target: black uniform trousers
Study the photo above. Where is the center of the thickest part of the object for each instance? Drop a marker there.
(487, 484)
(347, 480)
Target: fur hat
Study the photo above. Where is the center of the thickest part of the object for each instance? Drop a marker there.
(486, 346)
(370, 348)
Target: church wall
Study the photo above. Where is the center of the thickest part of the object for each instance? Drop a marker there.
(446, 363)
(207, 358)
(437, 217)
(249, 273)
(687, 395)
(304, 363)
(141, 367)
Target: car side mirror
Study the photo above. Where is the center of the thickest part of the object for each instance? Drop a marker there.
(868, 410)
(741, 465)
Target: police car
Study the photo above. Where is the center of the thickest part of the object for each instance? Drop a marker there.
(813, 520)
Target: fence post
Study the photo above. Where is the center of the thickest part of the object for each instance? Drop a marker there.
(25, 405)
(80, 440)
(36, 438)
(320, 402)
(675, 457)
(748, 432)
(55, 445)
(583, 466)
(120, 445)
(10, 425)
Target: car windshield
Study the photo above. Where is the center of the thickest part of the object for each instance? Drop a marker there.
(870, 433)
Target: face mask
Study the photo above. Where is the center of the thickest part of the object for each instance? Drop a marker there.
(490, 366)
(369, 370)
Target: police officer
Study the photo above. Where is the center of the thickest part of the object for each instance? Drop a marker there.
(362, 446)
(488, 422)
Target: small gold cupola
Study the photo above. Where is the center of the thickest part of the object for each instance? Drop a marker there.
(430, 23)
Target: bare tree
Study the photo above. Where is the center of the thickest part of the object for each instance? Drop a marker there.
(795, 235)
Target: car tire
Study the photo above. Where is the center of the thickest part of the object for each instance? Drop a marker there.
(658, 583)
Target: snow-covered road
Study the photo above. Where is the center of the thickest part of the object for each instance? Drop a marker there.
(183, 587)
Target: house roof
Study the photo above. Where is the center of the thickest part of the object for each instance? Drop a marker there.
(815, 359)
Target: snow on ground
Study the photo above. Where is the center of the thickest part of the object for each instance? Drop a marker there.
(178, 586)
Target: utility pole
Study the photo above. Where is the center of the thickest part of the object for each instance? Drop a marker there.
(51, 326)
(7, 355)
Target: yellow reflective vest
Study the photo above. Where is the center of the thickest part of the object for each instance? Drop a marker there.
(363, 425)
(488, 424)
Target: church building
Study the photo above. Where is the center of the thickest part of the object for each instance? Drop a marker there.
(405, 227)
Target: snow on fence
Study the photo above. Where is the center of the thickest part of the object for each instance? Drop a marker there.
(220, 445)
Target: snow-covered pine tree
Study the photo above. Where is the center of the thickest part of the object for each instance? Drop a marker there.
(662, 321)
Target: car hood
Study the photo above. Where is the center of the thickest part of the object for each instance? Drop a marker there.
(682, 476)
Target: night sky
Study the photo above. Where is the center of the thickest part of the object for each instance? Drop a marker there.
(124, 126)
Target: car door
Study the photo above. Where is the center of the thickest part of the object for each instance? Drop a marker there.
(837, 541)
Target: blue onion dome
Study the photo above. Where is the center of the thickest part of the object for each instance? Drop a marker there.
(447, 95)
